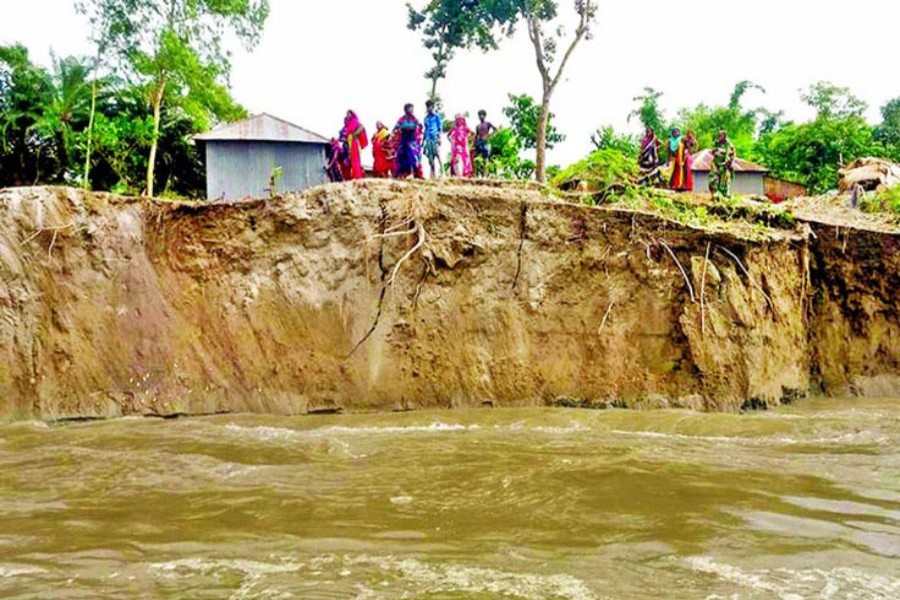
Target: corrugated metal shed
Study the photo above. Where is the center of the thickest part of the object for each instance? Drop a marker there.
(241, 157)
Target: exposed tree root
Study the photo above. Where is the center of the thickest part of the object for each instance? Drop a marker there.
(605, 317)
(680, 268)
(55, 231)
(408, 255)
(703, 291)
(749, 276)
(383, 289)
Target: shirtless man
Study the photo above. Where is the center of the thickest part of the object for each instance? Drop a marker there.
(483, 133)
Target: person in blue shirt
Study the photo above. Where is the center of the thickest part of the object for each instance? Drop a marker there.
(434, 127)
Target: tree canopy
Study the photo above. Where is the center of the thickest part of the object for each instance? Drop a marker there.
(174, 51)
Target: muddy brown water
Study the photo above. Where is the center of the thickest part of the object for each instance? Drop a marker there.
(803, 502)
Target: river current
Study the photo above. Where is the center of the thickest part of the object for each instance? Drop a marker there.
(798, 503)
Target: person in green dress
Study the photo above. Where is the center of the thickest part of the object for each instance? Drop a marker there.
(721, 172)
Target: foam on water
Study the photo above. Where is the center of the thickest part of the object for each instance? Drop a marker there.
(678, 436)
(799, 584)
(282, 434)
(864, 438)
(15, 570)
(429, 578)
(187, 567)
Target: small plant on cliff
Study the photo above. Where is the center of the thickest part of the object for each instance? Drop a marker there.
(887, 201)
(274, 178)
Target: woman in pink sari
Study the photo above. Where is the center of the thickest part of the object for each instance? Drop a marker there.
(460, 160)
(354, 135)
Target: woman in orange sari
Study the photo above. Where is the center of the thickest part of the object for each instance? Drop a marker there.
(354, 135)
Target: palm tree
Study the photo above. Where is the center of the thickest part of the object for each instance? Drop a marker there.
(69, 107)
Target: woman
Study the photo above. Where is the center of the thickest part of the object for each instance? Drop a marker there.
(408, 135)
(676, 159)
(460, 160)
(356, 139)
(334, 167)
(690, 147)
(381, 151)
(648, 159)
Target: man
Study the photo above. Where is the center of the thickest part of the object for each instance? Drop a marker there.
(434, 127)
(721, 171)
(408, 131)
(483, 144)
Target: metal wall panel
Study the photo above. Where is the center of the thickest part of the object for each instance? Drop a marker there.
(236, 170)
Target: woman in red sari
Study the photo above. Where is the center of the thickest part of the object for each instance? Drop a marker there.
(354, 135)
(381, 151)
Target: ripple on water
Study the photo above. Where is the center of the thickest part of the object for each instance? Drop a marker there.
(800, 584)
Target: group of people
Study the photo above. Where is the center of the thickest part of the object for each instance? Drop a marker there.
(402, 151)
(680, 150)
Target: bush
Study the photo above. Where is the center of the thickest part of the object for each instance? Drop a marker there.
(598, 171)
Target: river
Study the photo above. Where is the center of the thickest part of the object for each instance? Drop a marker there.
(802, 502)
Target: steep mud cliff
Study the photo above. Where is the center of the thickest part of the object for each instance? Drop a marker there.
(394, 296)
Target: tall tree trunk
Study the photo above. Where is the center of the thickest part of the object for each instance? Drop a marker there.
(541, 162)
(433, 96)
(86, 181)
(157, 100)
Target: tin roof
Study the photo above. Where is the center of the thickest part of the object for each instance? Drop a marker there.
(262, 128)
(703, 161)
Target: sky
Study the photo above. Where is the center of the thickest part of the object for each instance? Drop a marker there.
(319, 58)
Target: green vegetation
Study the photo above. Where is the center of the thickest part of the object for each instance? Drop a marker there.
(123, 121)
(808, 153)
(450, 24)
(173, 52)
(882, 202)
(524, 116)
(598, 171)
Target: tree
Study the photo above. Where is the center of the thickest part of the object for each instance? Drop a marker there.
(888, 132)
(25, 91)
(812, 153)
(451, 24)
(706, 121)
(524, 116)
(648, 111)
(831, 101)
(174, 49)
(606, 138)
(447, 26)
(67, 108)
(537, 13)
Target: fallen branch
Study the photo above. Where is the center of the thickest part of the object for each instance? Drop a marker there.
(406, 256)
(703, 291)
(680, 268)
(749, 276)
(605, 317)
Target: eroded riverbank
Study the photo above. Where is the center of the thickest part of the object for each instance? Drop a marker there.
(394, 296)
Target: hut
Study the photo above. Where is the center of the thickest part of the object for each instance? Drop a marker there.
(242, 157)
(749, 178)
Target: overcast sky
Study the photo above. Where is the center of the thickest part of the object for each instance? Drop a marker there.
(319, 57)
